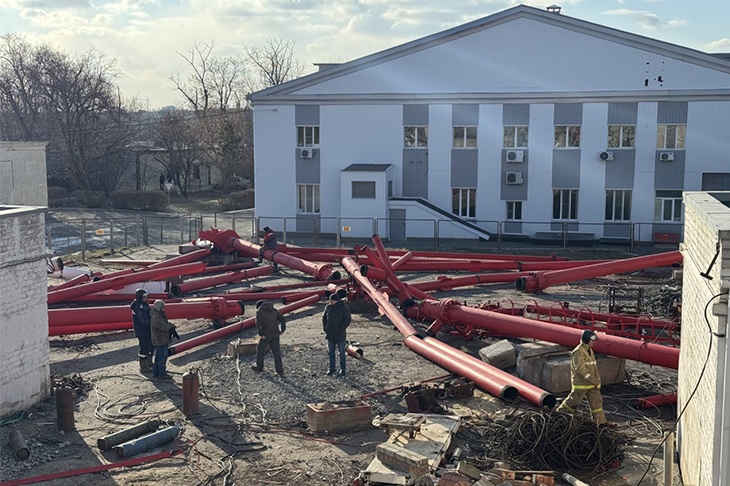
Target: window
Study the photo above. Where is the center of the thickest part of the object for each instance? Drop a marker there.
(668, 206)
(514, 210)
(670, 136)
(565, 204)
(515, 136)
(566, 136)
(308, 198)
(363, 189)
(618, 205)
(465, 137)
(307, 136)
(464, 202)
(415, 137)
(621, 136)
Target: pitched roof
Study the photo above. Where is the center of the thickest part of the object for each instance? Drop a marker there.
(279, 92)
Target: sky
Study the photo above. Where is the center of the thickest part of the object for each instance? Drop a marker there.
(146, 37)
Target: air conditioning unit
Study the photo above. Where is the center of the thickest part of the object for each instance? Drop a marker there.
(306, 153)
(515, 155)
(513, 178)
(666, 156)
(606, 155)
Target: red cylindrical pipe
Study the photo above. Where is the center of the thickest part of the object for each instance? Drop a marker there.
(601, 317)
(128, 263)
(89, 328)
(79, 279)
(193, 256)
(228, 240)
(235, 327)
(528, 391)
(542, 280)
(398, 287)
(353, 351)
(425, 254)
(656, 401)
(114, 297)
(119, 282)
(209, 308)
(450, 310)
(227, 268)
(274, 288)
(210, 282)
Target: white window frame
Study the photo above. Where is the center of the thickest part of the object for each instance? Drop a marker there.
(518, 138)
(514, 210)
(567, 136)
(567, 200)
(419, 136)
(462, 138)
(308, 199)
(307, 135)
(618, 205)
(625, 138)
(671, 137)
(673, 204)
(464, 202)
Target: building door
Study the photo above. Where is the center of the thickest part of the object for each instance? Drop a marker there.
(397, 225)
(415, 173)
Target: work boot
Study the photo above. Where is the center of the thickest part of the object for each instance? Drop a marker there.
(331, 373)
(257, 369)
(145, 365)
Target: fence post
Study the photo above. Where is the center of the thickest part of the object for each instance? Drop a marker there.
(182, 230)
(111, 236)
(136, 229)
(145, 232)
(283, 230)
(162, 230)
(337, 233)
(499, 233)
(83, 239)
(215, 220)
(565, 235)
(233, 223)
(375, 227)
(436, 234)
(126, 245)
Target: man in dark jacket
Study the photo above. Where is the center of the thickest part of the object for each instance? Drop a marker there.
(335, 319)
(161, 338)
(269, 243)
(141, 322)
(268, 320)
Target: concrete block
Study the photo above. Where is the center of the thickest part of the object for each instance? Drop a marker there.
(242, 347)
(468, 470)
(551, 370)
(453, 479)
(401, 458)
(500, 354)
(338, 416)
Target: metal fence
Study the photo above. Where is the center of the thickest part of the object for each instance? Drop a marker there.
(67, 235)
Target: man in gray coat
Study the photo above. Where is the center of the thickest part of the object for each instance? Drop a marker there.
(335, 319)
(268, 320)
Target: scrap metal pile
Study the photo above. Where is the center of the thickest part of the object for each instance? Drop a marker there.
(372, 275)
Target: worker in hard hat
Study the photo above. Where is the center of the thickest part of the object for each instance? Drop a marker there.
(585, 380)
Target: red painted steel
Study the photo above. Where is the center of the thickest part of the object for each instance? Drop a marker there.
(193, 256)
(229, 241)
(274, 288)
(115, 297)
(128, 263)
(398, 287)
(119, 282)
(449, 310)
(89, 328)
(208, 308)
(235, 327)
(542, 280)
(228, 268)
(78, 279)
(210, 282)
(423, 254)
(656, 401)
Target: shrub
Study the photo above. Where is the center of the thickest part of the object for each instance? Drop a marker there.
(57, 196)
(238, 200)
(89, 199)
(139, 200)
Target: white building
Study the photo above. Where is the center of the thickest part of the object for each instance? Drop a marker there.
(23, 173)
(525, 122)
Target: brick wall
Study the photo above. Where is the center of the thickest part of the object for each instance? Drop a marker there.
(707, 221)
(24, 379)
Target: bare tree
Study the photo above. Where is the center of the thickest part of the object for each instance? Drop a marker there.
(178, 134)
(275, 61)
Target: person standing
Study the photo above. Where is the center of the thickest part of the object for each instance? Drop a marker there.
(161, 338)
(335, 319)
(162, 181)
(585, 380)
(141, 323)
(268, 320)
(269, 243)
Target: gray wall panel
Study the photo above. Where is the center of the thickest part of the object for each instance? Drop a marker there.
(617, 230)
(516, 114)
(672, 113)
(568, 114)
(464, 168)
(512, 227)
(670, 175)
(620, 170)
(308, 170)
(306, 115)
(566, 169)
(465, 115)
(415, 115)
(622, 113)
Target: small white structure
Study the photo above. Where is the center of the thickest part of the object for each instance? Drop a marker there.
(25, 377)
(23, 173)
(704, 360)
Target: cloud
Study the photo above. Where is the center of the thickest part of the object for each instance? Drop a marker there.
(719, 45)
(647, 20)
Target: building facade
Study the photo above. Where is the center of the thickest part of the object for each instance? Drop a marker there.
(525, 122)
(23, 173)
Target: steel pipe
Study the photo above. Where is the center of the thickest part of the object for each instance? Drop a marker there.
(141, 444)
(542, 280)
(449, 311)
(177, 290)
(89, 328)
(422, 254)
(79, 279)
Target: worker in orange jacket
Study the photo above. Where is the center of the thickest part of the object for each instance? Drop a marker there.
(585, 380)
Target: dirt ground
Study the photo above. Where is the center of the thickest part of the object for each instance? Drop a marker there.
(250, 429)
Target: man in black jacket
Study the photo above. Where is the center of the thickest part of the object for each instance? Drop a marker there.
(335, 319)
(268, 322)
(141, 321)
